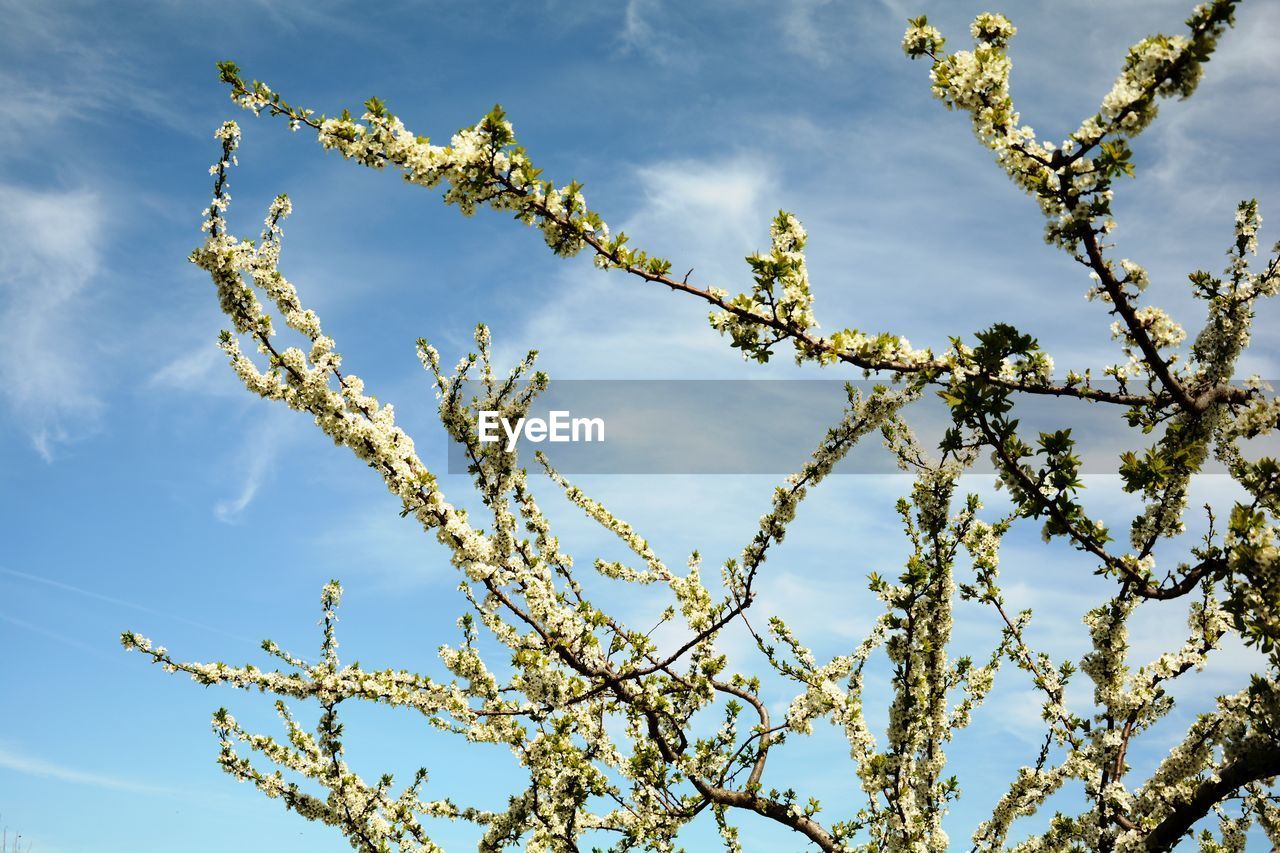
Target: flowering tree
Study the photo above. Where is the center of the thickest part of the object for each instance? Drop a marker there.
(609, 724)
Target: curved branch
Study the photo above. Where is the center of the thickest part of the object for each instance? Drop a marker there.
(1261, 762)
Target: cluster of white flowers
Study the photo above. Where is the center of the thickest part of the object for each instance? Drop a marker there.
(922, 39)
(1029, 790)
(781, 294)
(1072, 188)
(1152, 67)
(1157, 327)
(994, 30)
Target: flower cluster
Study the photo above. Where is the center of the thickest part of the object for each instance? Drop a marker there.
(1072, 187)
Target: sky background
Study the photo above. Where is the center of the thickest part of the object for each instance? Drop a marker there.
(141, 488)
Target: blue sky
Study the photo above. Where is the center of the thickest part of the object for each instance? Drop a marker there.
(143, 489)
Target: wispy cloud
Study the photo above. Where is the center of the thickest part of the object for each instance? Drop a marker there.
(229, 511)
(397, 556)
(637, 33)
(57, 636)
(1239, 81)
(61, 586)
(640, 35)
(93, 77)
(714, 210)
(720, 200)
(202, 369)
(257, 457)
(49, 254)
(31, 765)
(805, 36)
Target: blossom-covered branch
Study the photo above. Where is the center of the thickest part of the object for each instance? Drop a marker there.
(626, 739)
(484, 165)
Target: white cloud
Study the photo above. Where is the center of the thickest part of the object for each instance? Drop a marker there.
(1188, 137)
(24, 106)
(92, 78)
(31, 628)
(229, 510)
(804, 34)
(396, 554)
(718, 200)
(60, 588)
(640, 36)
(1250, 49)
(49, 254)
(31, 765)
(258, 453)
(896, 8)
(618, 326)
(202, 369)
(635, 29)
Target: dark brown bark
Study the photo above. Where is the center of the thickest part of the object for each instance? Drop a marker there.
(1261, 762)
